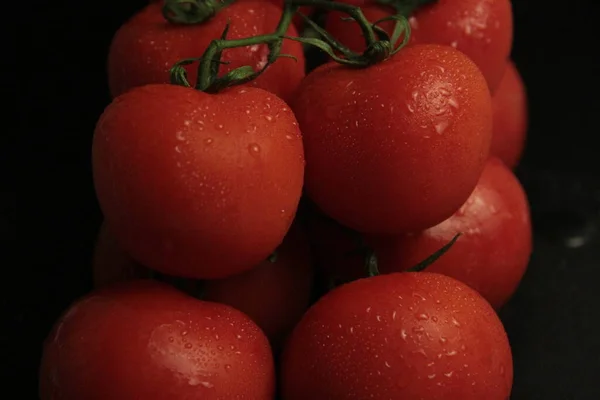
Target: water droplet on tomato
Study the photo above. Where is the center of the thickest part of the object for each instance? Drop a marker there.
(455, 322)
(418, 329)
(403, 334)
(431, 376)
(448, 374)
(254, 149)
(220, 348)
(289, 137)
(269, 118)
(207, 385)
(423, 317)
(443, 340)
(171, 339)
(208, 141)
(179, 136)
(227, 367)
(440, 127)
(219, 126)
(178, 149)
(188, 346)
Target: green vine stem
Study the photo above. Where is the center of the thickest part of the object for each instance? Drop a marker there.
(435, 256)
(380, 45)
(189, 12)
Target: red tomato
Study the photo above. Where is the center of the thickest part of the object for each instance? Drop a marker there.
(147, 46)
(398, 146)
(274, 294)
(482, 29)
(510, 117)
(493, 252)
(399, 336)
(146, 340)
(198, 185)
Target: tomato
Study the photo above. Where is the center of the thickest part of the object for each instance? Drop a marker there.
(510, 118)
(493, 252)
(482, 29)
(274, 294)
(147, 46)
(146, 340)
(399, 336)
(198, 185)
(398, 146)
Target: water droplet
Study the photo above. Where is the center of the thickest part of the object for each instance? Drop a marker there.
(178, 149)
(443, 340)
(419, 296)
(227, 367)
(254, 148)
(289, 137)
(216, 337)
(451, 353)
(184, 333)
(410, 107)
(269, 118)
(403, 334)
(440, 127)
(207, 385)
(219, 126)
(455, 322)
(368, 309)
(502, 371)
(179, 136)
(431, 376)
(188, 346)
(418, 329)
(387, 364)
(394, 315)
(423, 317)
(238, 337)
(171, 339)
(251, 128)
(208, 141)
(220, 348)
(448, 374)
(378, 318)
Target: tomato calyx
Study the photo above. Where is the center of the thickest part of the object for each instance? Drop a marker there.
(209, 80)
(405, 7)
(379, 44)
(190, 12)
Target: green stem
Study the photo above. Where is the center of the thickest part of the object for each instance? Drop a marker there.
(432, 258)
(371, 263)
(405, 7)
(190, 12)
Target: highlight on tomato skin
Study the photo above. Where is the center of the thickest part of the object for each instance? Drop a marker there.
(147, 46)
(482, 29)
(399, 336)
(493, 251)
(398, 146)
(510, 117)
(145, 340)
(274, 294)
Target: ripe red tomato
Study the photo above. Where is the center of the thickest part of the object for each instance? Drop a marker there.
(482, 29)
(399, 336)
(146, 340)
(198, 185)
(398, 146)
(147, 46)
(493, 252)
(274, 294)
(510, 117)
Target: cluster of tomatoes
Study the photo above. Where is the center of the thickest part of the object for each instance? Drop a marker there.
(264, 239)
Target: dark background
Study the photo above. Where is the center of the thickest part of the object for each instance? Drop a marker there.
(553, 320)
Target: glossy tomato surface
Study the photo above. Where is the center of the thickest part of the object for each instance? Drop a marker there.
(482, 29)
(146, 340)
(198, 185)
(398, 146)
(399, 336)
(147, 46)
(275, 294)
(510, 117)
(492, 254)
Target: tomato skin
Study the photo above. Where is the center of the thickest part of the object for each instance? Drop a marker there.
(492, 254)
(198, 185)
(398, 146)
(274, 295)
(510, 117)
(147, 46)
(482, 29)
(399, 336)
(144, 339)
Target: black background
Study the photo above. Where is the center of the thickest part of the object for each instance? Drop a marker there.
(59, 77)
